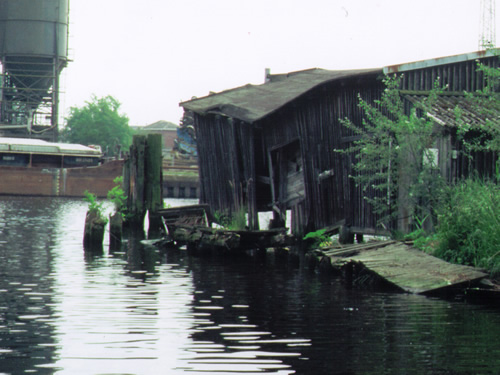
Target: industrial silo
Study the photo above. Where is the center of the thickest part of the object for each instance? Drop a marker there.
(33, 51)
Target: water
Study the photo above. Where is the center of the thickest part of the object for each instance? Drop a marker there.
(142, 311)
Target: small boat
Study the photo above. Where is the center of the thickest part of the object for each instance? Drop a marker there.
(39, 168)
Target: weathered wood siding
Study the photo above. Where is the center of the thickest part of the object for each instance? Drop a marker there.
(456, 77)
(226, 164)
(236, 158)
(460, 77)
(314, 119)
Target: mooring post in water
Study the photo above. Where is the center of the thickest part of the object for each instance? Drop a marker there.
(115, 231)
(143, 182)
(135, 181)
(94, 231)
(153, 185)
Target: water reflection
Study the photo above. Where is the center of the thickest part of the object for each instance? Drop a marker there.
(120, 313)
(226, 339)
(146, 311)
(26, 293)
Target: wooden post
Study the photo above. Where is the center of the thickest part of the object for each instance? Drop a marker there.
(345, 235)
(143, 182)
(136, 202)
(253, 215)
(115, 231)
(94, 231)
(127, 183)
(153, 183)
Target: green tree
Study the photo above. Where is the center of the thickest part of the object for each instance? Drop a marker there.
(394, 157)
(485, 103)
(99, 122)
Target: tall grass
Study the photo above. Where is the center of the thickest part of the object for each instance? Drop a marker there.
(469, 225)
(236, 221)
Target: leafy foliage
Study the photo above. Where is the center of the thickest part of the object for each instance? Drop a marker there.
(469, 225)
(98, 122)
(117, 196)
(394, 154)
(318, 238)
(95, 207)
(468, 230)
(486, 103)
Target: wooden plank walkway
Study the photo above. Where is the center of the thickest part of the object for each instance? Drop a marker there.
(400, 264)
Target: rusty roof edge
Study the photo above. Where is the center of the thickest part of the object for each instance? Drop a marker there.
(441, 61)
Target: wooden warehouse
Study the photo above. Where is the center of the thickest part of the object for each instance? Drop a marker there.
(270, 146)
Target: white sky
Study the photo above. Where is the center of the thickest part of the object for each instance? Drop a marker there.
(152, 54)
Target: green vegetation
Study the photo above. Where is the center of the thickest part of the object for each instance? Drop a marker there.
(459, 223)
(98, 123)
(469, 226)
(318, 238)
(236, 221)
(117, 196)
(95, 207)
(468, 230)
(394, 157)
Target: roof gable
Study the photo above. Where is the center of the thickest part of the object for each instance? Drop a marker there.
(160, 125)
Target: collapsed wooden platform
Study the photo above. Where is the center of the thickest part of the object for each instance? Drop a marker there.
(401, 265)
(192, 226)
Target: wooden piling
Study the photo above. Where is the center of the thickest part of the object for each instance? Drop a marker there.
(94, 231)
(153, 183)
(115, 231)
(143, 182)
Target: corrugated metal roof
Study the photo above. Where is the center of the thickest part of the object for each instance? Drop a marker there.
(41, 146)
(251, 103)
(446, 108)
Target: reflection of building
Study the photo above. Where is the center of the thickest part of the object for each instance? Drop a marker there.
(168, 130)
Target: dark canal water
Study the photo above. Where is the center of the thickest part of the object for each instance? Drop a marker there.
(141, 311)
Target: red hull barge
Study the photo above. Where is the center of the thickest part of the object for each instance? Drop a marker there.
(38, 168)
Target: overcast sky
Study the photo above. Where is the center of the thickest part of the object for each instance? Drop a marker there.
(152, 54)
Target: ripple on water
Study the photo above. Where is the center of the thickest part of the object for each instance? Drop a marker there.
(137, 311)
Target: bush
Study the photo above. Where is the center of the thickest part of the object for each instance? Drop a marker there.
(469, 225)
(318, 238)
(95, 208)
(117, 196)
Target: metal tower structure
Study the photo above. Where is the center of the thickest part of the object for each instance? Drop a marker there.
(33, 52)
(487, 34)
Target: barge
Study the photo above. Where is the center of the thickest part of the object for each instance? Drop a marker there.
(39, 168)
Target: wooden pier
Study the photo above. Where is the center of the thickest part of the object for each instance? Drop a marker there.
(401, 265)
(192, 226)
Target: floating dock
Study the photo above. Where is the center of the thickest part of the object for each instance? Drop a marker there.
(401, 265)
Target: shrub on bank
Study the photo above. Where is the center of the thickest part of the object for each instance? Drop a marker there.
(468, 229)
